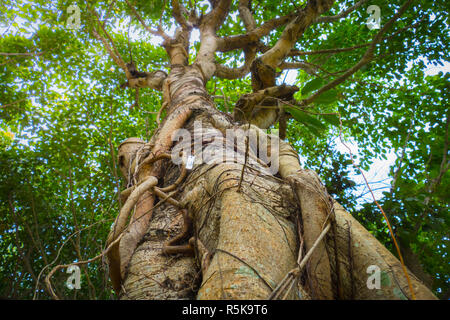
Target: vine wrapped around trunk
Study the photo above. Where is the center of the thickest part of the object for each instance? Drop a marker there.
(249, 225)
(244, 220)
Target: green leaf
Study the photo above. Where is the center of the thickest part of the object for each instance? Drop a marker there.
(312, 86)
(327, 97)
(332, 119)
(311, 122)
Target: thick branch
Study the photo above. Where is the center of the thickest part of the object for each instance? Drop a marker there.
(22, 54)
(307, 67)
(236, 73)
(121, 219)
(206, 55)
(153, 80)
(178, 47)
(246, 15)
(240, 41)
(135, 78)
(178, 11)
(208, 40)
(218, 15)
(250, 107)
(294, 30)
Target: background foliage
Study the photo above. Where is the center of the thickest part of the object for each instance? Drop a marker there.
(63, 115)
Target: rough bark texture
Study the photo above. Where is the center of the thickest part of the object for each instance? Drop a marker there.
(250, 233)
(154, 275)
(250, 226)
(252, 239)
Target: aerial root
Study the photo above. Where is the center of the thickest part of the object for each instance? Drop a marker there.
(121, 220)
(292, 275)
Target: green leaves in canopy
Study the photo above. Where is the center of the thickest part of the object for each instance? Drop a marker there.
(151, 9)
(311, 86)
(331, 118)
(327, 97)
(311, 122)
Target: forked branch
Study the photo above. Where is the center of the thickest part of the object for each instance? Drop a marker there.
(159, 32)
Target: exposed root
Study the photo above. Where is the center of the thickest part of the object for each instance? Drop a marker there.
(168, 197)
(121, 220)
(292, 275)
(171, 246)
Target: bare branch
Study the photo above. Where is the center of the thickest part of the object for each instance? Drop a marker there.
(108, 12)
(153, 80)
(22, 54)
(324, 51)
(261, 108)
(264, 68)
(219, 13)
(117, 59)
(138, 79)
(307, 67)
(135, 78)
(341, 15)
(178, 11)
(236, 73)
(178, 47)
(208, 40)
(112, 50)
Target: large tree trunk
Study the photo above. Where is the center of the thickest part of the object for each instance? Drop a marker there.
(249, 223)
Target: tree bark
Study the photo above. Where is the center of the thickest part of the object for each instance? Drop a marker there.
(249, 224)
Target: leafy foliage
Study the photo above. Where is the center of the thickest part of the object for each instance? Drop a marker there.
(63, 115)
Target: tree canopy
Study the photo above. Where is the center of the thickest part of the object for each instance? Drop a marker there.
(65, 106)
